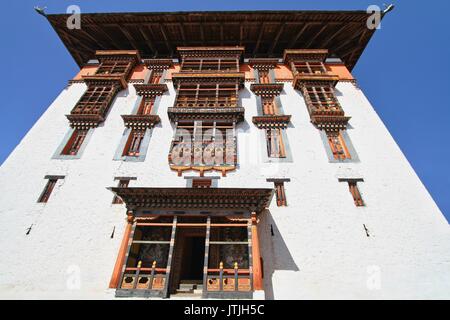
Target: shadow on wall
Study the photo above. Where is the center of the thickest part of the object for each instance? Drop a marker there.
(274, 251)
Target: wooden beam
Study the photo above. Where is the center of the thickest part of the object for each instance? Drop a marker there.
(128, 36)
(76, 40)
(202, 33)
(275, 41)
(78, 57)
(166, 39)
(183, 36)
(114, 282)
(334, 35)
(298, 35)
(148, 42)
(256, 256)
(241, 33)
(310, 42)
(261, 30)
(113, 41)
(349, 40)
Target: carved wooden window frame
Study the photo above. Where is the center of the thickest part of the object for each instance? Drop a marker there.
(134, 142)
(94, 100)
(146, 106)
(338, 146)
(207, 95)
(356, 194)
(280, 194)
(275, 143)
(115, 67)
(308, 67)
(321, 98)
(209, 64)
(75, 142)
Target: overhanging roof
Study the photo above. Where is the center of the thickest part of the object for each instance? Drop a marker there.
(262, 33)
(195, 198)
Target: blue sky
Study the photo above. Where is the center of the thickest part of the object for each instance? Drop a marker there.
(403, 71)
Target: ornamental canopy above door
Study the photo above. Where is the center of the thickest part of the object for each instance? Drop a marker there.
(230, 199)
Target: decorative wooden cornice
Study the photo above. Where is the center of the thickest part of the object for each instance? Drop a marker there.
(134, 55)
(140, 121)
(84, 121)
(150, 89)
(304, 55)
(302, 79)
(233, 114)
(207, 52)
(106, 79)
(263, 63)
(330, 122)
(267, 89)
(271, 121)
(158, 64)
(216, 77)
(138, 198)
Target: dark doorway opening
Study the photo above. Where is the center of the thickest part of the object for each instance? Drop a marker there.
(193, 258)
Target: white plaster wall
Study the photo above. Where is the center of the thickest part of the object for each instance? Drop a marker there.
(319, 248)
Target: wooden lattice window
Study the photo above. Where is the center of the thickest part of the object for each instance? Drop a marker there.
(114, 67)
(338, 146)
(201, 183)
(309, 67)
(269, 105)
(134, 142)
(47, 190)
(207, 95)
(146, 106)
(263, 76)
(75, 142)
(322, 99)
(210, 64)
(280, 194)
(123, 183)
(275, 143)
(353, 187)
(94, 100)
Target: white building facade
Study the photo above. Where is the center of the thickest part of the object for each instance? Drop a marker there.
(317, 201)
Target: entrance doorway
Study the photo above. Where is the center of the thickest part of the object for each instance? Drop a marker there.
(188, 260)
(193, 258)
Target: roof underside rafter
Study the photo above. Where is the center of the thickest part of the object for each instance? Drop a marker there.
(264, 34)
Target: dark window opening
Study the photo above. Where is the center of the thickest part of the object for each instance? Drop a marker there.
(47, 190)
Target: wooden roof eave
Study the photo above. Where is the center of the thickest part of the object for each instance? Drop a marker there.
(150, 198)
(344, 33)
